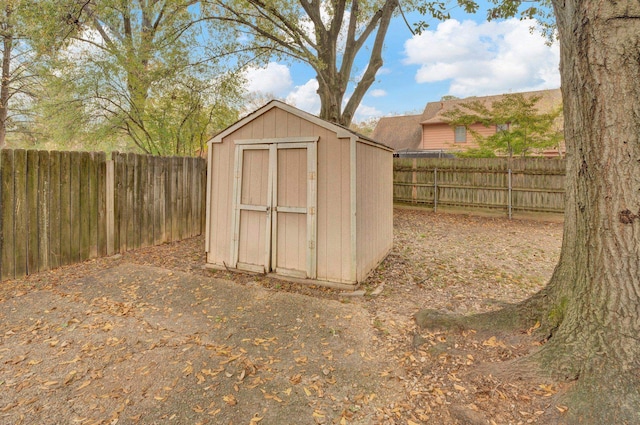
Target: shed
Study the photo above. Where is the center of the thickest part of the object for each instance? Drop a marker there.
(295, 196)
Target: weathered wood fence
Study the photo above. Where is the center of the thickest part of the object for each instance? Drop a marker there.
(517, 185)
(59, 208)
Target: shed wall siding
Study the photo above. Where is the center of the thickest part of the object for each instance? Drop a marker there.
(441, 136)
(333, 223)
(374, 168)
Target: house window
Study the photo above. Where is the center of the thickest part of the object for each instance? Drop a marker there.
(502, 127)
(460, 134)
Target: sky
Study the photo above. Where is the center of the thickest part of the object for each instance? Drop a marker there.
(464, 56)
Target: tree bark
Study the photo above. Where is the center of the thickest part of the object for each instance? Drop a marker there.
(333, 79)
(596, 288)
(7, 47)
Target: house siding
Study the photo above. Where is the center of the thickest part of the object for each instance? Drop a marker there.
(441, 136)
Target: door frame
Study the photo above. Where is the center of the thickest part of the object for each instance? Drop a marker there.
(270, 249)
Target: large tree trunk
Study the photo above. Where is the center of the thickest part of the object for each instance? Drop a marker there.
(591, 306)
(598, 294)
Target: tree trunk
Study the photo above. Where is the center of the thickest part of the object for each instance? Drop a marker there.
(597, 295)
(333, 79)
(7, 42)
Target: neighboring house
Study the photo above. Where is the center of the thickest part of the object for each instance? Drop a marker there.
(431, 131)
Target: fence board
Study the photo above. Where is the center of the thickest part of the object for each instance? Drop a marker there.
(137, 202)
(74, 210)
(43, 207)
(84, 189)
(100, 167)
(159, 235)
(175, 198)
(31, 234)
(7, 200)
(65, 208)
(129, 212)
(120, 235)
(20, 212)
(54, 209)
(146, 228)
(93, 205)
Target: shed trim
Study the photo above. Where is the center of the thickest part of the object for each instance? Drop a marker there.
(207, 237)
(376, 145)
(353, 193)
(341, 132)
(301, 139)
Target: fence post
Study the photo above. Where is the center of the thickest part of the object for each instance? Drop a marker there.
(435, 189)
(509, 195)
(414, 180)
(110, 190)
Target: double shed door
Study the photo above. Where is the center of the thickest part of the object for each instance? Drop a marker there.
(275, 206)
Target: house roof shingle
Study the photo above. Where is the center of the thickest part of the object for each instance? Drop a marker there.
(433, 112)
(399, 133)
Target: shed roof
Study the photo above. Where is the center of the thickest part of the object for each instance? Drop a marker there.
(433, 112)
(341, 131)
(400, 132)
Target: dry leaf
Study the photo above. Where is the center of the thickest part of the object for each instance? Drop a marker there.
(230, 400)
(493, 342)
(84, 384)
(533, 328)
(70, 377)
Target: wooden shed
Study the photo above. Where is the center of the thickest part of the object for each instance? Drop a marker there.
(293, 195)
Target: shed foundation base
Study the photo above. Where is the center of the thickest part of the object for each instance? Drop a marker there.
(309, 282)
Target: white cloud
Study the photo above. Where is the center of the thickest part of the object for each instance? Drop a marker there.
(486, 58)
(365, 112)
(305, 97)
(273, 79)
(378, 93)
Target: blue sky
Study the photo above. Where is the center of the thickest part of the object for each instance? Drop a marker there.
(465, 56)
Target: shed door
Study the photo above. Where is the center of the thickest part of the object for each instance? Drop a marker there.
(275, 208)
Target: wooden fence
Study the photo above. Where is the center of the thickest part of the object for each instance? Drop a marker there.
(517, 185)
(59, 208)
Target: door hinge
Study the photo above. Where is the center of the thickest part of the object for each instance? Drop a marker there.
(312, 175)
(312, 245)
(312, 210)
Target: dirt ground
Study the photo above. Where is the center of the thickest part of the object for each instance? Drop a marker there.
(150, 337)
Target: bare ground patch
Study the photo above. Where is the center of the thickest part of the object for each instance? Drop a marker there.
(453, 263)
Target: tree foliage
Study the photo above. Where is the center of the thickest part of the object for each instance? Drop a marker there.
(26, 30)
(522, 128)
(138, 70)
